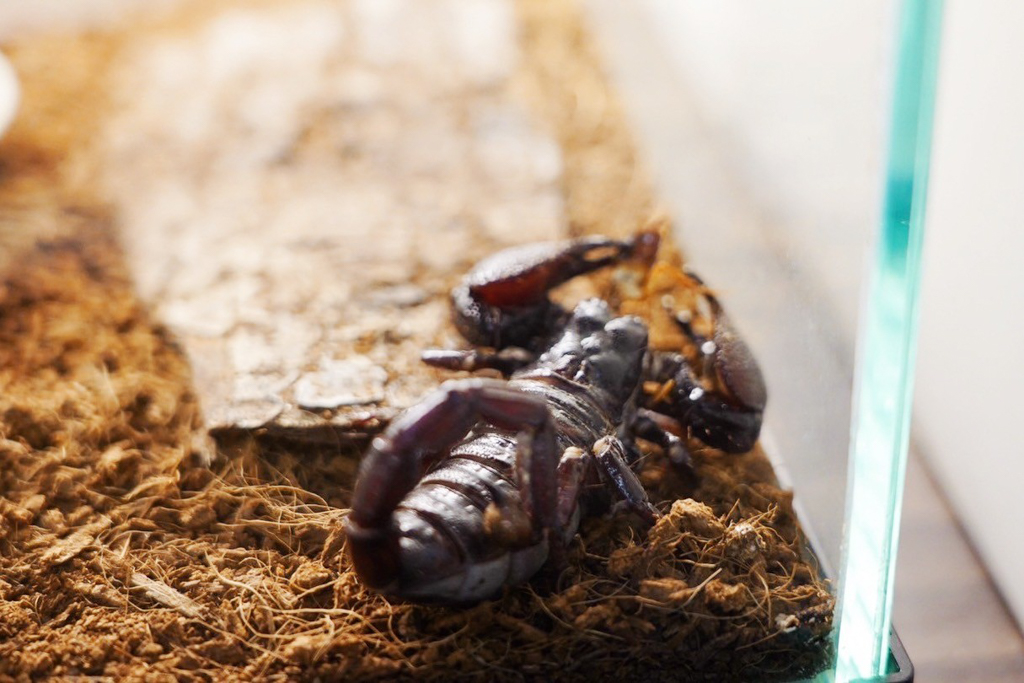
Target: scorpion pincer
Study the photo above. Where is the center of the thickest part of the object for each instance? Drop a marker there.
(478, 484)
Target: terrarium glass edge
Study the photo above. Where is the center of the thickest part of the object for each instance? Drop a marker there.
(886, 353)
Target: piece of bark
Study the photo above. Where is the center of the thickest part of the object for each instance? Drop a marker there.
(300, 185)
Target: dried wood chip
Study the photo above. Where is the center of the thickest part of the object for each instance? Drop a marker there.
(101, 593)
(70, 546)
(166, 596)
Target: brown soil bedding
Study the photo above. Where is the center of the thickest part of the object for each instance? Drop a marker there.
(132, 549)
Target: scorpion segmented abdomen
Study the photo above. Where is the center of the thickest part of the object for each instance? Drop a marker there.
(477, 479)
(464, 531)
(446, 550)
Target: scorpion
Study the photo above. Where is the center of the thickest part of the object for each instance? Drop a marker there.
(476, 486)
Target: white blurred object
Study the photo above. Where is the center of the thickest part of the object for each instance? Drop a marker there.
(8, 94)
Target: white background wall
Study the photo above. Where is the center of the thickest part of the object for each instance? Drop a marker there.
(794, 88)
(969, 417)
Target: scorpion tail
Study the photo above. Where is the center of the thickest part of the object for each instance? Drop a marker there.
(375, 555)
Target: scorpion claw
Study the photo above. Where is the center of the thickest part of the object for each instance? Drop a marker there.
(736, 367)
(723, 408)
(504, 301)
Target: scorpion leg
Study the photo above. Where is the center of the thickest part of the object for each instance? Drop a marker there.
(506, 361)
(611, 456)
(504, 301)
(572, 472)
(652, 426)
(399, 457)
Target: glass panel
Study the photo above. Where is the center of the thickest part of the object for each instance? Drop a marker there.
(770, 163)
(885, 373)
(766, 126)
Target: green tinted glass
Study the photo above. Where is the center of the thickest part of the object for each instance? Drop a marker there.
(881, 416)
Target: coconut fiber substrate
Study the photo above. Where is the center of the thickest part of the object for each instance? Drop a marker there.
(135, 547)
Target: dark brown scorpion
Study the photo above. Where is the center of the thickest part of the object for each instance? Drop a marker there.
(475, 487)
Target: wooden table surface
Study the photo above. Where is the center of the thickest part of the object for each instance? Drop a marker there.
(947, 612)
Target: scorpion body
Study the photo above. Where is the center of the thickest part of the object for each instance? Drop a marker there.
(476, 486)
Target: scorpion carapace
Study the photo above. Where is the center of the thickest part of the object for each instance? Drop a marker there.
(475, 487)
